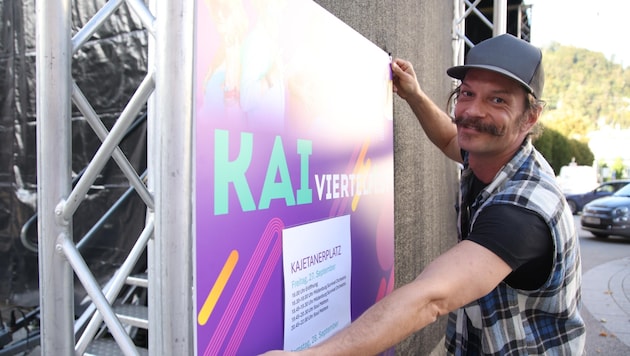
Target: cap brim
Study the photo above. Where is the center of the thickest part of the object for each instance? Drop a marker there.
(459, 72)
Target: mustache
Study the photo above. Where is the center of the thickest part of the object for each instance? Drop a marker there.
(478, 124)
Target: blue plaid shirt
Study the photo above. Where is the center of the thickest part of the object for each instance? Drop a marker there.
(508, 321)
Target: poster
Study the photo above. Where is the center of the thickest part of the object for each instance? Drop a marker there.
(317, 263)
(293, 126)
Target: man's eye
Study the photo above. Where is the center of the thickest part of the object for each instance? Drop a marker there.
(466, 93)
(498, 100)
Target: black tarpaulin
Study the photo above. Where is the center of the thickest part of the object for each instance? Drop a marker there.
(108, 69)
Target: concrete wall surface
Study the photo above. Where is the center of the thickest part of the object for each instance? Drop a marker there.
(425, 180)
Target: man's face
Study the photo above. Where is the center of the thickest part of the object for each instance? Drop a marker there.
(489, 114)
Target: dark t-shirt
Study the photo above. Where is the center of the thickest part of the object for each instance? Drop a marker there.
(521, 238)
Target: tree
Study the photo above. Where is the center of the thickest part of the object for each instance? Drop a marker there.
(583, 89)
(618, 168)
(559, 150)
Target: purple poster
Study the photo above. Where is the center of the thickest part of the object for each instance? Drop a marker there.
(293, 113)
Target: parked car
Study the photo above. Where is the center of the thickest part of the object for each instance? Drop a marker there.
(609, 215)
(577, 201)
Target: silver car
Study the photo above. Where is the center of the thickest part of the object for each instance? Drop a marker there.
(609, 215)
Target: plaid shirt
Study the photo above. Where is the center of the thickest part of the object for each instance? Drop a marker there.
(508, 321)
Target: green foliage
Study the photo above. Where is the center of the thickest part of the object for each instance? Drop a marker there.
(618, 168)
(584, 91)
(559, 150)
(581, 152)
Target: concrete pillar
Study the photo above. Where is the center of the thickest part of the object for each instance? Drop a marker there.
(425, 181)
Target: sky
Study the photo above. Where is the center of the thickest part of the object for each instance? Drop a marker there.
(597, 25)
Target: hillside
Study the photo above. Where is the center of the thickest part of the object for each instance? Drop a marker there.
(584, 92)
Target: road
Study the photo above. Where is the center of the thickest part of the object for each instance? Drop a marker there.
(595, 252)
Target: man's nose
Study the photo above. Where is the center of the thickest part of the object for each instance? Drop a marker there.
(472, 108)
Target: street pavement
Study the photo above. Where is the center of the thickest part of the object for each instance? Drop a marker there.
(605, 293)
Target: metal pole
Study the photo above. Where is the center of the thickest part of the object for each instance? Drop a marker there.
(459, 27)
(54, 50)
(153, 278)
(171, 310)
(499, 17)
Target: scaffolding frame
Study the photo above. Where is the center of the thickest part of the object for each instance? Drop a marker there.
(465, 8)
(168, 233)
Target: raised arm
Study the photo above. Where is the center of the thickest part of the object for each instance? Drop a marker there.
(436, 123)
(465, 273)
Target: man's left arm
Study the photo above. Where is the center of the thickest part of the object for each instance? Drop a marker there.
(465, 273)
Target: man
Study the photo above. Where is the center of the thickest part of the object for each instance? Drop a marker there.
(512, 284)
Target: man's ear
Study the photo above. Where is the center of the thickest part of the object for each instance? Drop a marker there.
(531, 118)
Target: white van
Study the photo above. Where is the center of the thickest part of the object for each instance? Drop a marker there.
(574, 179)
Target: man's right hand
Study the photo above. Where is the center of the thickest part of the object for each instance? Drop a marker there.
(405, 80)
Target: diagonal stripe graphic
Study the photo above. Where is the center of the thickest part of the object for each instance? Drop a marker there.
(217, 288)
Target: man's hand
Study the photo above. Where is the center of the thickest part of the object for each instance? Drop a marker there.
(277, 353)
(405, 80)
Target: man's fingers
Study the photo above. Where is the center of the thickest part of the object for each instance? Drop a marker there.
(402, 64)
(402, 68)
(396, 66)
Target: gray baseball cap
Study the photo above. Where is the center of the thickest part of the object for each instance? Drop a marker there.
(507, 55)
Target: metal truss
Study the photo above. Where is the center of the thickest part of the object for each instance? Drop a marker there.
(166, 92)
(464, 9)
